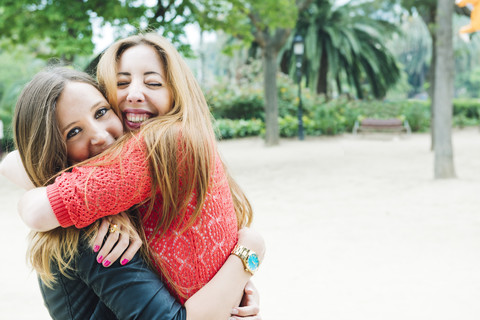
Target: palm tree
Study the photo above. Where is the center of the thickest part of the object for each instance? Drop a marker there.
(345, 44)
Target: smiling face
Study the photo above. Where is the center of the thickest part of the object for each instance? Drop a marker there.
(142, 89)
(86, 121)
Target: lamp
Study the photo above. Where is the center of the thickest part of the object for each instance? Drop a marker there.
(298, 50)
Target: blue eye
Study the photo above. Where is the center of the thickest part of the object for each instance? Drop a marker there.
(72, 133)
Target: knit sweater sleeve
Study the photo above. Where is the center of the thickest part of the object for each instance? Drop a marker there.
(104, 187)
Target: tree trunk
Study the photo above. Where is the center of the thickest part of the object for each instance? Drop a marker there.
(270, 88)
(429, 18)
(322, 85)
(431, 90)
(443, 92)
(339, 84)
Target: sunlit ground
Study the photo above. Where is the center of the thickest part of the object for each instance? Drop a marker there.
(356, 228)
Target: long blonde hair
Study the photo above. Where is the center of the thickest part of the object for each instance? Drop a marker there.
(44, 155)
(180, 143)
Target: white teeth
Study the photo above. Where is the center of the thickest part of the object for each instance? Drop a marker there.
(137, 118)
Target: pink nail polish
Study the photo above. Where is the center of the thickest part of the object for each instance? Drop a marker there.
(96, 248)
(106, 263)
(100, 259)
(124, 262)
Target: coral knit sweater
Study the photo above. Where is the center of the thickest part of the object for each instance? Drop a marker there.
(191, 258)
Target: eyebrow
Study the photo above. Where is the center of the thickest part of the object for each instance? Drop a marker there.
(95, 105)
(145, 74)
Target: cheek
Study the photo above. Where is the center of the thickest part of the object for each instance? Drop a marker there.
(165, 103)
(121, 96)
(115, 128)
(77, 152)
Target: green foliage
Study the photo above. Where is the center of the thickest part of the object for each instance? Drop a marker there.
(242, 103)
(63, 29)
(60, 28)
(245, 19)
(235, 106)
(17, 67)
(466, 108)
(228, 128)
(345, 44)
(339, 115)
(246, 99)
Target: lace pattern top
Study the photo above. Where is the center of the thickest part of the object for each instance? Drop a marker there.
(190, 258)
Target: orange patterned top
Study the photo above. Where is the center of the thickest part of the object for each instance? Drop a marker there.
(191, 258)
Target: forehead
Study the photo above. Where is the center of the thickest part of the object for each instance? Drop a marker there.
(76, 99)
(143, 57)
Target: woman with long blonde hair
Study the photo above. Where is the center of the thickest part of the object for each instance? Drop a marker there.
(45, 150)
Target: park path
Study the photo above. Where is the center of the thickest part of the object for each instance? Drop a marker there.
(356, 228)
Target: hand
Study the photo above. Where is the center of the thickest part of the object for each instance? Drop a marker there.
(250, 306)
(252, 240)
(124, 240)
(12, 168)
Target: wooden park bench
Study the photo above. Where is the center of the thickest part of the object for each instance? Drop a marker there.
(382, 125)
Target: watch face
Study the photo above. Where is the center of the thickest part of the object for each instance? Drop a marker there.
(252, 262)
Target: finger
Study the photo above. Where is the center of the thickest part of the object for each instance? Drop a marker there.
(135, 245)
(245, 318)
(102, 232)
(249, 288)
(120, 246)
(108, 246)
(246, 311)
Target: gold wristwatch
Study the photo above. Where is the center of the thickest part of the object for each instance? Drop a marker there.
(248, 257)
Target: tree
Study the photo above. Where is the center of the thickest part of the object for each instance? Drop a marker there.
(443, 92)
(345, 42)
(63, 29)
(268, 23)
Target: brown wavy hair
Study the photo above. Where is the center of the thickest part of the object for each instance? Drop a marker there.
(44, 155)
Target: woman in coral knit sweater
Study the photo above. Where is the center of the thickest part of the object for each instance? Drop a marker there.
(171, 167)
(69, 273)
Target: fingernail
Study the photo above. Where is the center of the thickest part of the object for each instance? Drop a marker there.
(100, 259)
(234, 311)
(106, 263)
(96, 248)
(124, 262)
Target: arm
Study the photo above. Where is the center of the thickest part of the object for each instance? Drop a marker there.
(90, 192)
(134, 291)
(12, 168)
(130, 292)
(36, 212)
(224, 292)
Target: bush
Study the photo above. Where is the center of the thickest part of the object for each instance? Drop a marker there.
(243, 105)
(468, 108)
(229, 129)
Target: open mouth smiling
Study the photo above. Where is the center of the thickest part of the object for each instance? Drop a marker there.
(134, 118)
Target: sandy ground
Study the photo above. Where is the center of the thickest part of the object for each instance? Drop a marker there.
(356, 228)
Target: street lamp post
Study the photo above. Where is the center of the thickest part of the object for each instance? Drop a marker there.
(298, 49)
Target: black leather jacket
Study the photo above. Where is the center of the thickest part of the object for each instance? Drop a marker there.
(131, 291)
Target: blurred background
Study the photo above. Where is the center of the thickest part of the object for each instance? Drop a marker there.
(360, 59)
(358, 226)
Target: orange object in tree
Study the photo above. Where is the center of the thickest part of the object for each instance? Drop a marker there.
(474, 16)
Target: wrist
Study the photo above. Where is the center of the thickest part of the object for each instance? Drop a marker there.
(252, 240)
(248, 257)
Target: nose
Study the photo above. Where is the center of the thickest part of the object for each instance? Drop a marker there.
(99, 137)
(135, 94)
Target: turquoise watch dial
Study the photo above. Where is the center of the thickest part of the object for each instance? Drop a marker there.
(252, 262)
